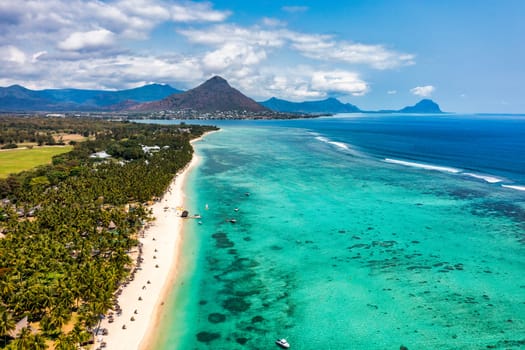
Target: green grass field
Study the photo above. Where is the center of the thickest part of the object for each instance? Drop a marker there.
(17, 160)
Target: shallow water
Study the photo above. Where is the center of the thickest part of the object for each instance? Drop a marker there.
(333, 247)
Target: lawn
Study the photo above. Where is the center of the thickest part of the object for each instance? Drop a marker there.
(17, 160)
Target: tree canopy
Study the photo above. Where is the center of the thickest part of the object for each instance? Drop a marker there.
(68, 227)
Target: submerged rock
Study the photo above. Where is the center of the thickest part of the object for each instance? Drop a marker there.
(241, 341)
(257, 319)
(216, 317)
(236, 305)
(206, 337)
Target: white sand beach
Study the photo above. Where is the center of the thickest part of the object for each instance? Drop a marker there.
(143, 297)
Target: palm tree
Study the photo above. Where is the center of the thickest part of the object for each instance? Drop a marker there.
(65, 342)
(23, 341)
(7, 286)
(28, 341)
(37, 342)
(7, 323)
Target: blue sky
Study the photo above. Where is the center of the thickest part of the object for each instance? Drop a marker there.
(469, 56)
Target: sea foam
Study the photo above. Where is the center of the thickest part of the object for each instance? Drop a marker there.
(423, 166)
(519, 188)
(488, 178)
(341, 145)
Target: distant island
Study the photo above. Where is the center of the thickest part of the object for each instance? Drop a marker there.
(333, 105)
(330, 105)
(213, 99)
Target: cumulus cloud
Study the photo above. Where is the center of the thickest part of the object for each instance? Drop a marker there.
(92, 40)
(324, 47)
(276, 82)
(200, 12)
(226, 33)
(391, 92)
(298, 83)
(423, 91)
(10, 53)
(54, 20)
(233, 54)
(321, 47)
(339, 82)
(120, 71)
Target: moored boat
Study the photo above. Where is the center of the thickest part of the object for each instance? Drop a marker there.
(283, 343)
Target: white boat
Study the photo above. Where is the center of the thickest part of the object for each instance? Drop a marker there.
(283, 343)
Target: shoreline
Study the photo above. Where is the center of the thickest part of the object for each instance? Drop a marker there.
(142, 298)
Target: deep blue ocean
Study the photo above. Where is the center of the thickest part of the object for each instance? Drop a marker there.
(355, 232)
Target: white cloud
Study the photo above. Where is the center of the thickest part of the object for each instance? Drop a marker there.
(226, 33)
(92, 40)
(339, 82)
(116, 72)
(52, 21)
(233, 54)
(197, 12)
(37, 55)
(317, 46)
(152, 10)
(297, 83)
(10, 53)
(423, 91)
(326, 48)
(276, 82)
(391, 92)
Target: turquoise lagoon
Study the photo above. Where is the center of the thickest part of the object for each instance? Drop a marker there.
(354, 232)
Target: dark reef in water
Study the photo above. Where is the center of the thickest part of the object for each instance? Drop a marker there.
(236, 305)
(222, 241)
(206, 337)
(216, 317)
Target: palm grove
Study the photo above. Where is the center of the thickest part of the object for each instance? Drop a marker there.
(68, 227)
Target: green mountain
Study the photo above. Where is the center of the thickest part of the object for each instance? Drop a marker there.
(213, 95)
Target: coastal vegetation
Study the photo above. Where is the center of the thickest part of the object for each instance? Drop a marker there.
(67, 228)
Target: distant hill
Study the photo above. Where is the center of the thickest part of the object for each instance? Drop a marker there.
(333, 105)
(423, 106)
(330, 105)
(18, 98)
(213, 95)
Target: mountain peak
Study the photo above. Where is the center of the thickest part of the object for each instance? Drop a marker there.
(215, 94)
(218, 78)
(17, 87)
(216, 81)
